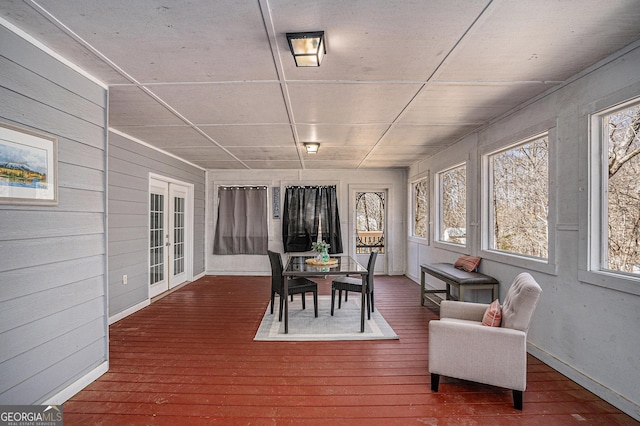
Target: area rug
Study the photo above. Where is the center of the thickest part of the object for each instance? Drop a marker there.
(343, 325)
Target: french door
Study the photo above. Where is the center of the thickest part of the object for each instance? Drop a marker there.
(168, 234)
(368, 225)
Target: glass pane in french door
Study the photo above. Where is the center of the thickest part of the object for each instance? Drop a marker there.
(178, 235)
(157, 240)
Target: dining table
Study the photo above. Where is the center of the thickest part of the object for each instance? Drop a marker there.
(297, 266)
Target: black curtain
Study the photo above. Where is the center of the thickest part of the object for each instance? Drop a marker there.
(304, 208)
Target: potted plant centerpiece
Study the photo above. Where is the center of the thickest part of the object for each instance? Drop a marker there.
(322, 248)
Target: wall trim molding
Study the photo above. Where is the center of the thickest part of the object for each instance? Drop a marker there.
(155, 148)
(608, 394)
(77, 386)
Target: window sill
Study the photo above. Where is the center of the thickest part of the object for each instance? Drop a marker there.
(458, 248)
(611, 281)
(533, 264)
(418, 240)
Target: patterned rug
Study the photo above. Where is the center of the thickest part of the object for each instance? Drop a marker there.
(343, 325)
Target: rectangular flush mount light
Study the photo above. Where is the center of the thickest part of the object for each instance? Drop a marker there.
(311, 147)
(308, 49)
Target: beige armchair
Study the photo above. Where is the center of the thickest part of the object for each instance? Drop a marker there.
(461, 347)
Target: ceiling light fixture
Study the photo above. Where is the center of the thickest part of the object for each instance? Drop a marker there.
(308, 49)
(311, 147)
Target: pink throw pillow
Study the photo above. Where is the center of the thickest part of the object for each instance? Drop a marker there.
(493, 315)
(468, 263)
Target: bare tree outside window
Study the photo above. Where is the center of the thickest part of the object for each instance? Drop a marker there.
(520, 198)
(623, 195)
(453, 205)
(421, 208)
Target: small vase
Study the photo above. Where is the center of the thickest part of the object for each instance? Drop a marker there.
(325, 256)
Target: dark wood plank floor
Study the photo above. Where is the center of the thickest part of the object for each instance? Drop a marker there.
(190, 358)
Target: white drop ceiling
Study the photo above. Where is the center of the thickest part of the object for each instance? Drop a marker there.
(213, 82)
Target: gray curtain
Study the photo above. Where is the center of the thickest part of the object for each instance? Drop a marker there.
(242, 221)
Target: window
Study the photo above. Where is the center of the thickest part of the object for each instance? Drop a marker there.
(518, 199)
(452, 203)
(620, 218)
(420, 193)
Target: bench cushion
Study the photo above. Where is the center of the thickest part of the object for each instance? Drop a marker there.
(446, 272)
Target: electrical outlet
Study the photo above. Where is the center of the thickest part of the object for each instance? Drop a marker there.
(124, 279)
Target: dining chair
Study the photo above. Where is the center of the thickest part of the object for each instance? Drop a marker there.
(299, 285)
(355, 284)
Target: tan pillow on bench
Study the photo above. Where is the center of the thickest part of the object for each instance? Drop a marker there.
(468, 263)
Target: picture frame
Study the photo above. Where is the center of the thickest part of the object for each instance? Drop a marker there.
(28, 166)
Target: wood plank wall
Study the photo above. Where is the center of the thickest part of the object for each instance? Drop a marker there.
(53, 322)
(128, 178)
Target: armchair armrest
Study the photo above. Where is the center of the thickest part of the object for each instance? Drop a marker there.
(462, 310)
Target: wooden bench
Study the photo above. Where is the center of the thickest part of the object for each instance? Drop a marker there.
(458, 278)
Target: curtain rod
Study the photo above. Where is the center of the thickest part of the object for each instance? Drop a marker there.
(310, 186)
(227, 187)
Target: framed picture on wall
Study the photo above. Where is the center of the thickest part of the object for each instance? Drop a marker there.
(28, 167)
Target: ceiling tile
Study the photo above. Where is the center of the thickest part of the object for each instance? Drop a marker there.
(465, 104)
(274, 164)
(269, 135)
(265, 153)
(349, 103)
(332, 164)
(173, 41)
(231, 103)
(341, 134)
(541, 41)
(130, 106)
(421, 135)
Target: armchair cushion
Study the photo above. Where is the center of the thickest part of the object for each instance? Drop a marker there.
(520, 302)
(492, 315)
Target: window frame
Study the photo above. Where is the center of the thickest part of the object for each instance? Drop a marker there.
(412, 196)
(548, 265)
(437, 181)
(593, 241)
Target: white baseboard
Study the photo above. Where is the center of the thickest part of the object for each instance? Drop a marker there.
(77, 386)
(609, 395)
(200, 275)
(245, 273)
(135, 308)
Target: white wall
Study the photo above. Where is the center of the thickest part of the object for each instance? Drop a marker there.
(394, 179)
(589, 333)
